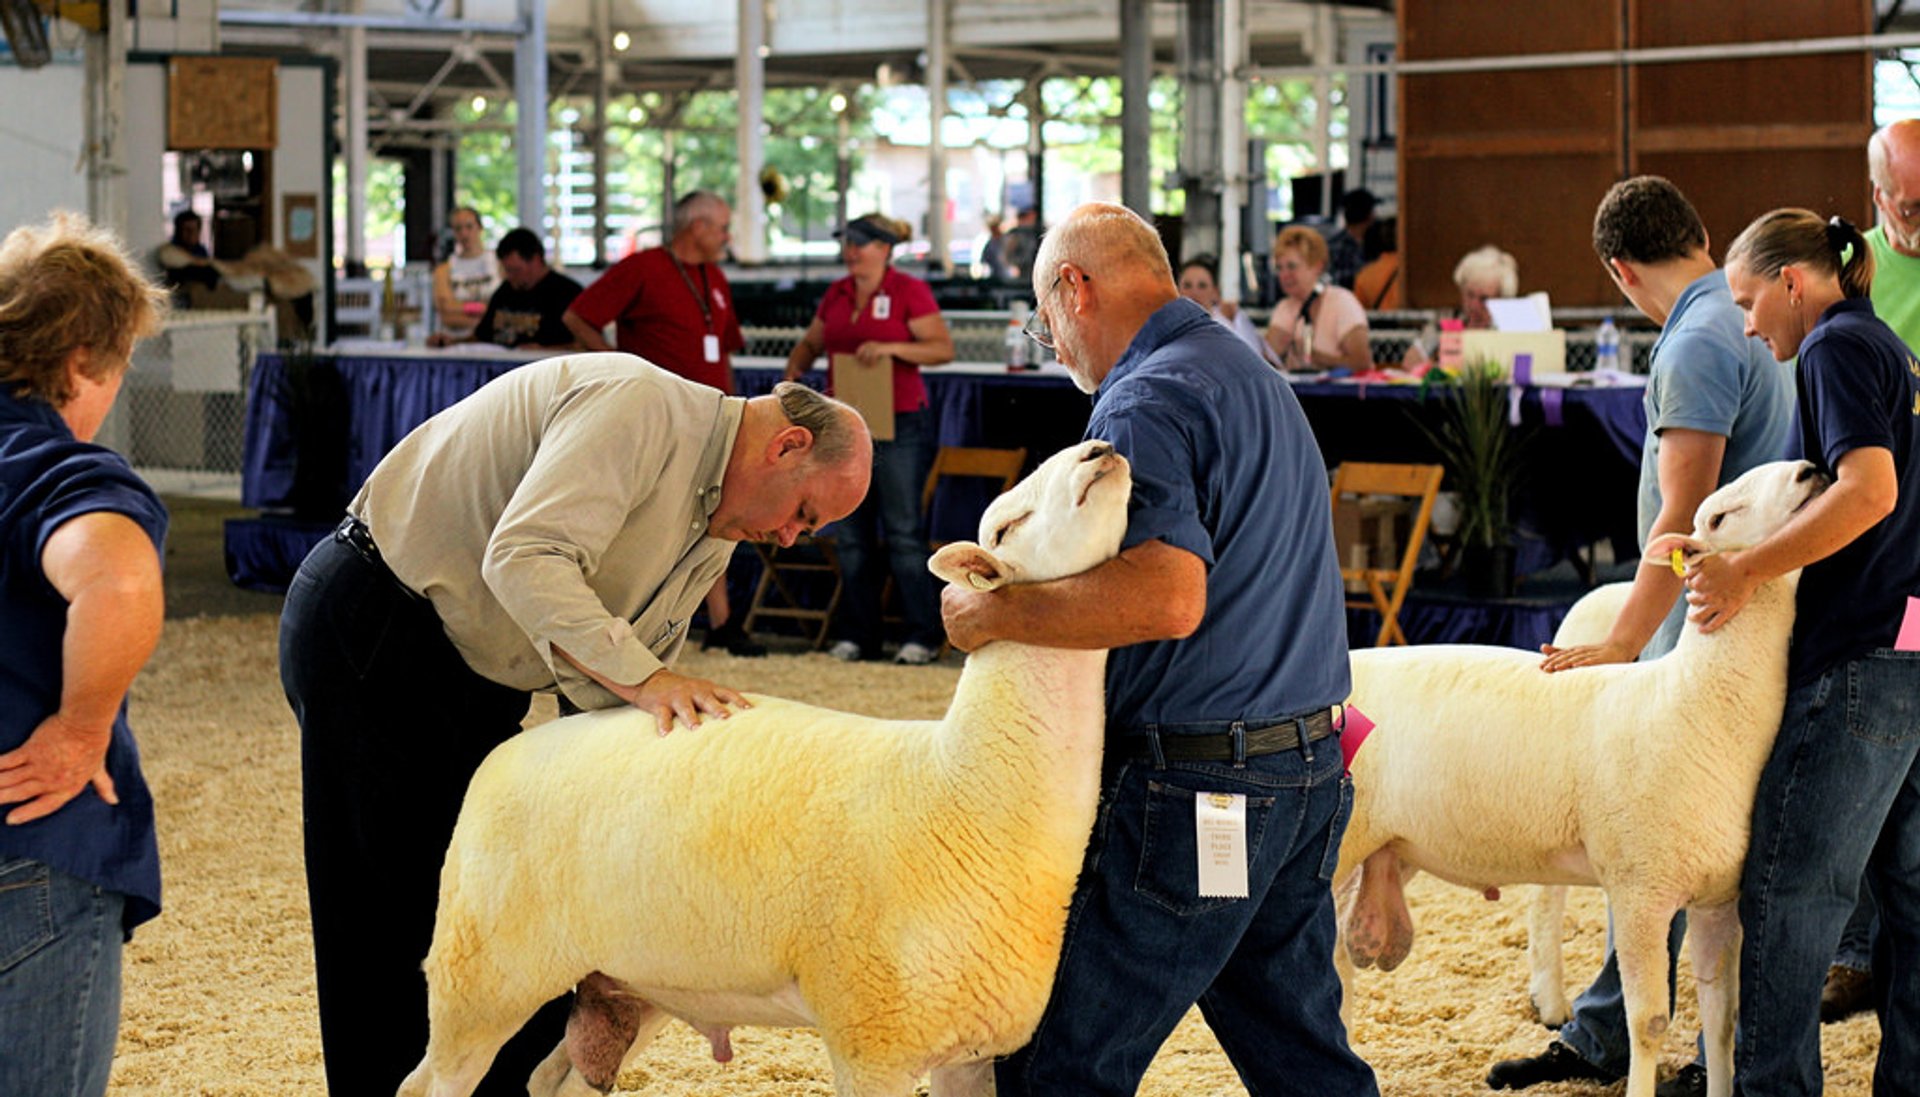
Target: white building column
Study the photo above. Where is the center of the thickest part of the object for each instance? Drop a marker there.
(530, 115)
(354, 149)
(750, 77)
(938, 60)
(106, 65)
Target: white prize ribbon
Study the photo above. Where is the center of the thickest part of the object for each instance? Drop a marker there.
(1220, 836)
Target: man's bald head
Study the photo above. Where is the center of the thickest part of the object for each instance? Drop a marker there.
(1893, 163)
(1104, 236)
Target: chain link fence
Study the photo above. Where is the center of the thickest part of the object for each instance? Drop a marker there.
(181, 416)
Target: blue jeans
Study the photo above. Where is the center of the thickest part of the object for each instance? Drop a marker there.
(891, 511)
(60, 941)
(1839, 799)
(1142, 945)
(1598, 1027)
(1856, 940)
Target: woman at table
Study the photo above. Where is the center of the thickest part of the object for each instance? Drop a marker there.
(1482, 274)
(1200, 283)
(886, 319)
(1315, 326)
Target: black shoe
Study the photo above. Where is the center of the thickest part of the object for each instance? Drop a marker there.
(1848, 991)
(1691, 1081)
(734, 640)
(1559, 1063)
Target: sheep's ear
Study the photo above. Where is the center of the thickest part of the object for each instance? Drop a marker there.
(1660, 550)
(967, 563)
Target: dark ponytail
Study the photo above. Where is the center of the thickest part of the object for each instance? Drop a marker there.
(1855, 257)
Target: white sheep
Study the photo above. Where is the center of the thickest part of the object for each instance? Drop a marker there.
(900, 885)
(1640, 777)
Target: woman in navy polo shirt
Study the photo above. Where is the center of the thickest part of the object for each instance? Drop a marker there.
(881, 315)
(80, 597)
(1839, 798)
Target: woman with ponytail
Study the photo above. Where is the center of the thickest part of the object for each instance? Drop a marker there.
(1839, 798)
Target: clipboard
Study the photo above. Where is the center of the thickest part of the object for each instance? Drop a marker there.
(868, 389)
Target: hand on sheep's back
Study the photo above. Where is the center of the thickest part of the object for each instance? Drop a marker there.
(670, 696)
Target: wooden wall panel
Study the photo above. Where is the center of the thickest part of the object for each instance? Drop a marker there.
(1520, 159)
(1742, 137)
(1500, 157)
(1730, 189)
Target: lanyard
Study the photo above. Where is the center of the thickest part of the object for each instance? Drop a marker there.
(706, 307)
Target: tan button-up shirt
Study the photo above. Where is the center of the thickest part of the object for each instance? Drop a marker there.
(563, 504)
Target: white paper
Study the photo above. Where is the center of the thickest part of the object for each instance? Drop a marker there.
(710, 346)
(1530, 313)
(1220, 834)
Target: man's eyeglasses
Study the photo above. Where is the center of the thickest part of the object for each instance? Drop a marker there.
(1036, 328)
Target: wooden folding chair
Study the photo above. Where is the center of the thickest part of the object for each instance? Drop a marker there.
(772, 597)
(1001, 467)
(1386, 587)
(1004, 465)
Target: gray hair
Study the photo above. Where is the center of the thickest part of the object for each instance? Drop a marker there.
(1488, 266)
(694, 205)
(830, 421)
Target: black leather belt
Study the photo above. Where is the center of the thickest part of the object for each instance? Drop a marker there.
(354, 534)
(1219, 746)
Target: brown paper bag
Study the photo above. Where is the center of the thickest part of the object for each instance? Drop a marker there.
(869, 389)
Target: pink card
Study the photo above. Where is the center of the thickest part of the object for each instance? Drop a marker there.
(1909, 638)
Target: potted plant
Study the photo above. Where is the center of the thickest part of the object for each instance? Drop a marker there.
(1482, 453)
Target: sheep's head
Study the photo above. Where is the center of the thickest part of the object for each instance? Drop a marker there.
(1066, 517)
(1743, 513)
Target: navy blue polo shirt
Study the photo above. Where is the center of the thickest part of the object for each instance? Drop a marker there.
(1859, 388)
(1225, 467)
(48, 478)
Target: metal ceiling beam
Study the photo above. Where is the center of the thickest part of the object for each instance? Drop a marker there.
(252, 17)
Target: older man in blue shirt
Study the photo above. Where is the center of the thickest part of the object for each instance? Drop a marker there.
(1224, 610)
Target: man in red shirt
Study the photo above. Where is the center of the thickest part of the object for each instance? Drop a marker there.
(672, 306)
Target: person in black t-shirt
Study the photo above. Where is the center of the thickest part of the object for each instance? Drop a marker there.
(526, 311)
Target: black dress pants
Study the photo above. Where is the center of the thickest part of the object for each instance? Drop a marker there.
(392, 726)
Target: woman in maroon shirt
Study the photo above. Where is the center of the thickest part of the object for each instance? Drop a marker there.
(881, 315)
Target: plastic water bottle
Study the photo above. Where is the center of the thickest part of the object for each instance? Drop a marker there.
(1019, 347)
(1606, 346)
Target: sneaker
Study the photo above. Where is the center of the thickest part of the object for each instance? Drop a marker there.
(1690, 1081)
(1848, 991)
(845, 650)
(915, 655)
(734, 640)
(1559, 1063)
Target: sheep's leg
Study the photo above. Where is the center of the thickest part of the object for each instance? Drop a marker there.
(973, 1079)
(1547, 981)
(1640, 938)
(863, 1079)
(1345, 890)
(1379, 926)
(460, 1049)
(1713, 937)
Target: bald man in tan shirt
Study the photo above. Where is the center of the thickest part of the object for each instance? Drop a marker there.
(553, 531)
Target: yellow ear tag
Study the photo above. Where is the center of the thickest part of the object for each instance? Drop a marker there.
(979, 581)
(1679, 564)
